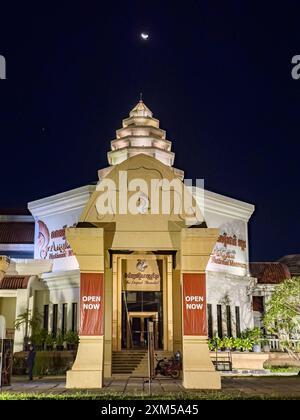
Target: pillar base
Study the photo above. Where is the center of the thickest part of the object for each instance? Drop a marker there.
(198, 370)
(87, 371)
(201, 380)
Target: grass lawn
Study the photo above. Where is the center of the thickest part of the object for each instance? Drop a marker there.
(111, 396)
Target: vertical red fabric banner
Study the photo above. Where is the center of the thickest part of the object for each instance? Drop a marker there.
(91, 304)
(194, 304)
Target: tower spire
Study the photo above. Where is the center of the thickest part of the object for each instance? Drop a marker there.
(141, 97)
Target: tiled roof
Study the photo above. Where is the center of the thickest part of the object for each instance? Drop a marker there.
(269, 272)
(16, 233)
(14, 282)
(293, 263)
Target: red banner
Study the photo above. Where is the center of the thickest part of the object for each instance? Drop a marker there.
(91, 304)
(194, 304)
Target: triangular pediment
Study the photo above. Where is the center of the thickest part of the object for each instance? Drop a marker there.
(144, 192)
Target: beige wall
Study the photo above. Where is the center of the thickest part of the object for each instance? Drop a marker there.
(8, 310)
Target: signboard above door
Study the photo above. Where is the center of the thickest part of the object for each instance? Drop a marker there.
(141, 274)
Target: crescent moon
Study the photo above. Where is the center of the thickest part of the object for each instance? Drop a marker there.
(144, 35)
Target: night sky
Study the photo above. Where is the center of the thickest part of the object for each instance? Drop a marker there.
(217, 74)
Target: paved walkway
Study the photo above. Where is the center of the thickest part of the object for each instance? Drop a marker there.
(283, 386)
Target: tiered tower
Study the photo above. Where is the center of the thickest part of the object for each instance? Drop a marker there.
(140, 133)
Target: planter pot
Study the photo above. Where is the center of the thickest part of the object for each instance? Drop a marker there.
(70, 346)
(59, 348)
(256, 348)
(266, 348)
(49, 348)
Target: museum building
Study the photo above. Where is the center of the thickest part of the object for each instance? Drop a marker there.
(107, 273)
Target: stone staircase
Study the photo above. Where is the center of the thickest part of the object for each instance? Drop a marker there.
(133, 362)
(129, 363)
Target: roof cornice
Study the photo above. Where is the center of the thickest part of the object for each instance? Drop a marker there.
(60, 280)
(61, 203)
(225, 206)
(16, 218)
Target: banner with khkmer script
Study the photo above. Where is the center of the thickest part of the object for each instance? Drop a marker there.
(141, 274)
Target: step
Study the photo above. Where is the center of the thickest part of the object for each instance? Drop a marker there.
(128, 361)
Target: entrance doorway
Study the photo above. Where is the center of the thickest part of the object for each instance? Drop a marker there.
(137, 333)
(138, 308)
(135, 289)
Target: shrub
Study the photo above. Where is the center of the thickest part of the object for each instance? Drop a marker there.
(254, 335)
(52, 363)
(19, 363)
(49, 341)
(227, 343)
(59, 340)
(38, 338)
(72, 339)
(46, 363)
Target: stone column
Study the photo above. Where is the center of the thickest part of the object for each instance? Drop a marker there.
(87, 245)
(198, 370)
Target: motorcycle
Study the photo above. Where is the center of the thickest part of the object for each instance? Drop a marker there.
(168, 367)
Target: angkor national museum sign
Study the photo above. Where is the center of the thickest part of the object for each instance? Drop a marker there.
(52, 243)
(230, 252)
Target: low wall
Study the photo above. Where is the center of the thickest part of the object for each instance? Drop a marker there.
(244, 360)
(282, 359)
(257, 361)
(249, 360)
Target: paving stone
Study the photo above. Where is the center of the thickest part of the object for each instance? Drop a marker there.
(272, 386)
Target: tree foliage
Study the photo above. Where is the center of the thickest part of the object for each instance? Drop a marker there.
(282, 315)
(28, 320)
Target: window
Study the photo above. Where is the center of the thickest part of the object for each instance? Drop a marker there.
(228, 320)
(54, 320)
(209, 321)
(74, 316)
(219, 320)
(46, 317)
(258, 304)
(64, 318)
(237, 321)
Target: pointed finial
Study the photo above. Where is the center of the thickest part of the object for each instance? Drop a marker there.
(141, 97)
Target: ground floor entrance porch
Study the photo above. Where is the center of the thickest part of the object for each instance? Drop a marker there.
(123, 290)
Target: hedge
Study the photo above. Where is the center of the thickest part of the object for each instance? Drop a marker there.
(46, 362)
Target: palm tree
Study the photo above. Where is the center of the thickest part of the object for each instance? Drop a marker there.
(28, 320)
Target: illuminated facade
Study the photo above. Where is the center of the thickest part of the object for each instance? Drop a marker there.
(145, 264)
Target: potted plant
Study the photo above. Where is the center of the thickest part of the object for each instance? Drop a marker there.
(227, 343)
(37, 340)
(211, 345)
(246, 344)
(59, 341)
(237, 343)
(265, 345)
(72, 340)
(49, 342)
(255, 336)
